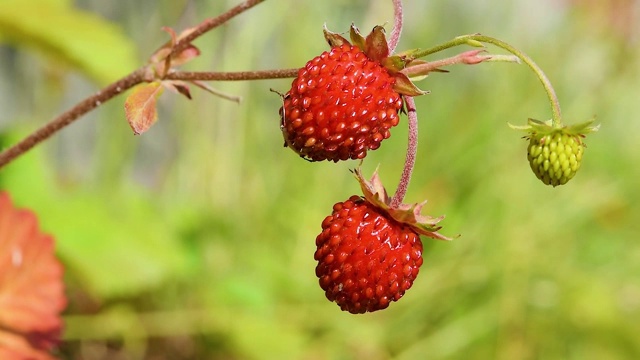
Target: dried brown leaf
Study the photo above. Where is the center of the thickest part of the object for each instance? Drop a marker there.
(140, 107)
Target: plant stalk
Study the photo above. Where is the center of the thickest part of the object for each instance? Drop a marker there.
(232, 76)
(397, 26)
(110, 91)
(412, 150)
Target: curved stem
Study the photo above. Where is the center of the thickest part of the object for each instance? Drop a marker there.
(412, 150)
(397, 26)
(232, 76)
(72, 115)
(546, 83)
(477, 40)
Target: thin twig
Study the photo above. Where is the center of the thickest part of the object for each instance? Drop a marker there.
(412, 150)
(232, 76)
(71, 115)
(212, 23)
(136, 77)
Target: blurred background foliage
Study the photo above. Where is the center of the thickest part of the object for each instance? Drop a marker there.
(196, 240)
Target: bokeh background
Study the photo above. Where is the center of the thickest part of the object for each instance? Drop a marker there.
(196, 239)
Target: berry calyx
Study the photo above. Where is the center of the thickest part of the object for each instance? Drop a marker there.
(344, 102)
(555, 152)
(368, 254)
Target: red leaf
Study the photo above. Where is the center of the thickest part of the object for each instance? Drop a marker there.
(140, 107)
(14, 346)
(186, 55)
(31, 287)
(159, 57)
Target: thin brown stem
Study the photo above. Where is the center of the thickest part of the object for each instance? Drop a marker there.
(412, 150)
(212, 23)
(232, 76)
(72, 115)
(136, 77)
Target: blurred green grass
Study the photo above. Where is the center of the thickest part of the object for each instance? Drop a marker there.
(196, 240)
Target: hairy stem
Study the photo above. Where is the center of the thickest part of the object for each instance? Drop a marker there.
(71, 115)
(477, 40)
(546, 83)
(232, 76)
(212, 23)
(136, 77)
(471, 57)
(397, 26)
(412, 150)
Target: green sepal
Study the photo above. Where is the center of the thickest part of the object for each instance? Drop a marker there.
(547, 127)
(393, 63)
(535, 126)
(583, 128)
(356, 38)
(405, 86)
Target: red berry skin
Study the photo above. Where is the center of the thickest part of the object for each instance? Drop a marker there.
(365, 258)
(341, 105)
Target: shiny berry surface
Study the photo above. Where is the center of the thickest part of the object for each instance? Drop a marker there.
(340, 106)
(365, 259)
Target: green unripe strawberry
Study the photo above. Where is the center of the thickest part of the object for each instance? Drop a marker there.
(555, 151)
(555, 158)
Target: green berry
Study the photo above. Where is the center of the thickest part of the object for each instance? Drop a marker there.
(555, 157)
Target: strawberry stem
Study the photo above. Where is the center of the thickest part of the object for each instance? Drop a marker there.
(397, 26)
(232, 76)
(477, 40)
(212, 23)
(546, 83)
(412, 150)
(71, 115)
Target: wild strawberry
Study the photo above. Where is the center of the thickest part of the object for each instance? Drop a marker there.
(555, 158)
(344, 101)
(368, 253)
(555, 152)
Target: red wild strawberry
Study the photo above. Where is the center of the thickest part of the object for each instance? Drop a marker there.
(368, 253)
(344, 102)
(365, 259)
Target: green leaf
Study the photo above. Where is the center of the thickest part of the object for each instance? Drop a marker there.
(356, 38)
(140, 106)
(72, 37)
